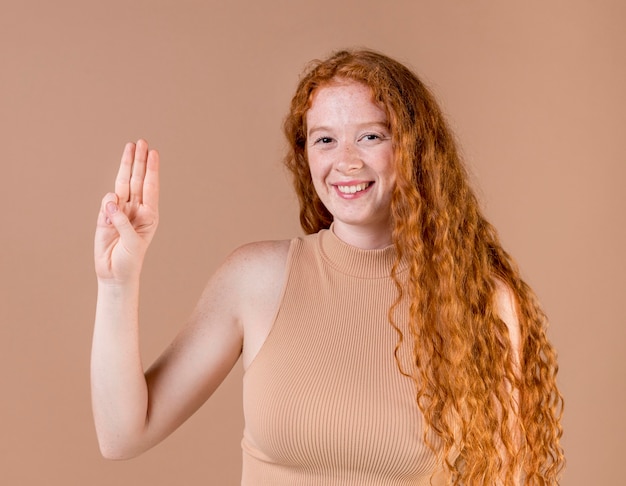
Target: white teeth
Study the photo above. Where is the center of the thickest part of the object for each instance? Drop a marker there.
(353, 189)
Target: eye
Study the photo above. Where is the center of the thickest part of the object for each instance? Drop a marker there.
(323, 140)
(373, 138)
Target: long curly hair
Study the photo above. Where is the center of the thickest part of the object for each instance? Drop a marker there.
(496, 410)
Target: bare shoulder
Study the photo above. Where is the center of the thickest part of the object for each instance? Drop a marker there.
(505, 301)
(260, 272)
(249, 272)
(272, 249)
(507, 311)
(261, 258)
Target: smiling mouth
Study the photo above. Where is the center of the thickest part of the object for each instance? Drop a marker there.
(353, 189)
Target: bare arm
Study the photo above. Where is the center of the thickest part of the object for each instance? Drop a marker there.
(506, 307)
(126, 224)
(134, 410)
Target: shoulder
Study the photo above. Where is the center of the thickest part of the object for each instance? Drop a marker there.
(249, 276)
(258, 257)
(505, 300)
(506, 307)
(258, 275)
(248, 264)
(255, 270)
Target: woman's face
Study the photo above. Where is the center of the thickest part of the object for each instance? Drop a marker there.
(350, 156)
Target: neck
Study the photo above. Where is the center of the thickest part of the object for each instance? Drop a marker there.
(364, 238)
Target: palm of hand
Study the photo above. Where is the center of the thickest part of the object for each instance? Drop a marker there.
(128, 217)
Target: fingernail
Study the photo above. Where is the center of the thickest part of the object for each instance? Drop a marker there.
(111, 207)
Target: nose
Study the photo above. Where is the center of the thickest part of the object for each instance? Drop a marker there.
(348, 159)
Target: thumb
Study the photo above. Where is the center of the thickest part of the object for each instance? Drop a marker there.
(120, 221)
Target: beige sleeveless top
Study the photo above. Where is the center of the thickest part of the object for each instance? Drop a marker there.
(324, 400)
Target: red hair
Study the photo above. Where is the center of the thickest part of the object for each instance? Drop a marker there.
(503, 419)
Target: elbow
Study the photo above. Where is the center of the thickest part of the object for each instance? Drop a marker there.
(117, 451)
(119, 442)
(113, 454)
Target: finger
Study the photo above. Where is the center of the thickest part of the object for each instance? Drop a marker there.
(151, 181)
(139, 171)
(122, 181)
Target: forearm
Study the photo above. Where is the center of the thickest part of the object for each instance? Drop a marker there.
(118, 385)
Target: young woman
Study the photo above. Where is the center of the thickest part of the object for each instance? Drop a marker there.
(395, 344)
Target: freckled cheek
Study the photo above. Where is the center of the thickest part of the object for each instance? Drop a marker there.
(389, 184)
(318, 181)
(319, 187)
(319, 171)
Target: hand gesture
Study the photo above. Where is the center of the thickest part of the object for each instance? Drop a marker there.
(128, 217)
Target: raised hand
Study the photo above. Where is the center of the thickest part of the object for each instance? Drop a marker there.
(129, 216)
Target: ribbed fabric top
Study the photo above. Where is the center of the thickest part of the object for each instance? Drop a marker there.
(324, 400)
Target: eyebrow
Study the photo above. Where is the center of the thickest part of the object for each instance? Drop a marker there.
(324, 128)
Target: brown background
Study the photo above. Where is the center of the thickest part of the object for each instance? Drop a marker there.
(534, 90)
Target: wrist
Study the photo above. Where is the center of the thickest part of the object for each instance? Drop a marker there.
(113, 285)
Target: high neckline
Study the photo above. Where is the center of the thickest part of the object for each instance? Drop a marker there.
(357, 262)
